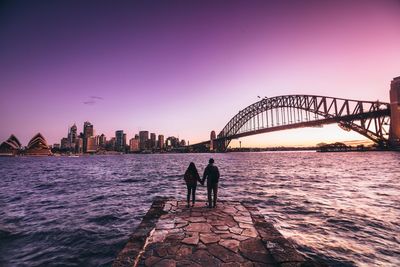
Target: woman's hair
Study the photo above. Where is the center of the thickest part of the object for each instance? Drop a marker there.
(192, 168)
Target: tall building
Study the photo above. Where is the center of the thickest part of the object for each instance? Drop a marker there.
(143, 139)
(79, 145)
(88, 132)
(394, 135)
(72, 135)
(91, 145)
(161, 144)
(134, 145)
(102, 141)
(120, 141)
(153, 141)
(65, 144)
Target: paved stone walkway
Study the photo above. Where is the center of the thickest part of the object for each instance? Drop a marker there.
(229, 235)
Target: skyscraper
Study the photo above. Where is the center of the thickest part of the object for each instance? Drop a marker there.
(119, 141)
(134, 145)
(161, 143)
(102, 141)
(143, 139)
(87, 133)
(72, 135)
(153, 142)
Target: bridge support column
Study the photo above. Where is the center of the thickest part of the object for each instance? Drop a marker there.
(221, 145)
(394, 134)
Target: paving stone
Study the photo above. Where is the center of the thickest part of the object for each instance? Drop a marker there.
(243, 219)
(253, 249)
(221, 232)
(183, 251)
(150, 261)
(209, 238)
(159, 236)
(251, 232)
(204, 258)
(240, 237)
(165, 263)
(222, 227)
(173, 249)
(197, 219)
(161, 251)
(224, 254)
(199, 227)
(236, 230)
(231, 264)
(165, 226)
(230, 244)
(192, 239)
(245, 225)
(187, 263)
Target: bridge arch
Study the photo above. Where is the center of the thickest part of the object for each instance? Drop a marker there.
(369, 118)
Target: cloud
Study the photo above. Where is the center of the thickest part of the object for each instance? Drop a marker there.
(93, 100)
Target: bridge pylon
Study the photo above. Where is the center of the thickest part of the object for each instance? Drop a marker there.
(394, 132)
(221, 144)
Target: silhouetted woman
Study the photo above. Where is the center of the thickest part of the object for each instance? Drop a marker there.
(191, 178)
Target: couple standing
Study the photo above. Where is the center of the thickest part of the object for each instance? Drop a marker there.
(211, 173)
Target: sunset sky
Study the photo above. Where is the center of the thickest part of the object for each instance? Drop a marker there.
(184, 68)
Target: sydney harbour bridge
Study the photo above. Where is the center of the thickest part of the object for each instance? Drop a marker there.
(377, 121)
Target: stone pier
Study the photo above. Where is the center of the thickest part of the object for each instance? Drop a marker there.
(232, 234)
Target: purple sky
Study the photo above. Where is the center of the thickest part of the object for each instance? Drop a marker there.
(186, 67)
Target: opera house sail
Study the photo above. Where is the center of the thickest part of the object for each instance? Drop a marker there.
(10, 147)
(38, 146)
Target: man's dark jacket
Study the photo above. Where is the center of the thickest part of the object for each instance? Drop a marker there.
(211, 173)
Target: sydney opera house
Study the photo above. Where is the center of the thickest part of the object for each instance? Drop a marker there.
(10, 147)
(37, 146)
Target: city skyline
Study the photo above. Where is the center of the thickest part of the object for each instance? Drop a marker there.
(186, 69)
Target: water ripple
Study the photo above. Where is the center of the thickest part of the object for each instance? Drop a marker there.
(338, 207)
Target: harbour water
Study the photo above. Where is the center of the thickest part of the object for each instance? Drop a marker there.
(342, 208)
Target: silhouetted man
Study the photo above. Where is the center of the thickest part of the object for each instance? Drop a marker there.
(211, 173)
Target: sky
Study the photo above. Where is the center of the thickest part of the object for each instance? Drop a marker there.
(184, 68)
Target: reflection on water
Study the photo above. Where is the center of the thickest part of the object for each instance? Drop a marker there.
(339, 207)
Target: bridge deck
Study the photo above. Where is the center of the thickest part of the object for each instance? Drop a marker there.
(233, 234)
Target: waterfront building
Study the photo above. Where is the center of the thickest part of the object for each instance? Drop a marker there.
(88, 132)
(394, 135)
(11, 146)
(182, 142)
(143, 140)
(91, 144)
(79, 145)
(37, 146)
(120, 141)
(124, 141)
(102, 141)
(153, 142)
(161, 144)
(72, 135)
(172, 142)
(110, 144)
(134, 145)
(65, 143)
(56, 146)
